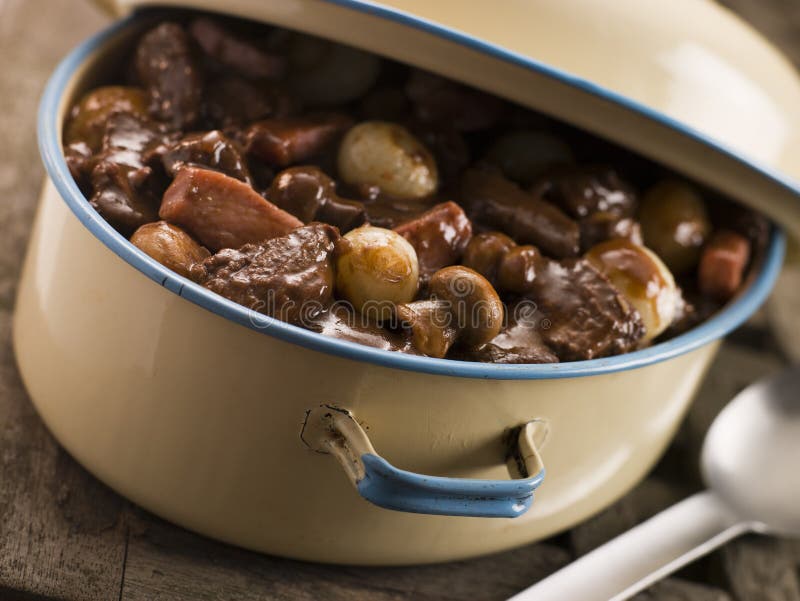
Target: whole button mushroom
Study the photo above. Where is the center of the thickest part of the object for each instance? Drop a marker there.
(517, 269)
(464, 309)
(642, 278)
(386, 155)
(675, 224)
(376, 269)
(485, 252)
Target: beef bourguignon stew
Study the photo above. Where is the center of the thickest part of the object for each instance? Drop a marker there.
(382, 204)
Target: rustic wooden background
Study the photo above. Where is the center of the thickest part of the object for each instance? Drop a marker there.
(65, 536)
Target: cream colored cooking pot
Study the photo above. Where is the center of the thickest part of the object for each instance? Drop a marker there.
(278, 439)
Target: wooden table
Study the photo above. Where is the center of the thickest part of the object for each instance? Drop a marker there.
(64, 535)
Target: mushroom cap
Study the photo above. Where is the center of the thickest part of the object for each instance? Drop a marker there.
(476, 308)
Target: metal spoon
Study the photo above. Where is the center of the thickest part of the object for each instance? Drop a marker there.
(751, 465)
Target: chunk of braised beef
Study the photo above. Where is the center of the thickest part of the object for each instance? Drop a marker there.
(587, 189)
(519, 342)
(235, 53)
(439, 235)
(290, 277)
(310, 195)
(212, 150)
(583, 315)
(169, 72)
(343, 322)
(122, 197)
(130, 140)
(234, 101)
(283, 142)
(441, 101)
(498, 203)
(222, 212)
(78, 156)
(603, 225)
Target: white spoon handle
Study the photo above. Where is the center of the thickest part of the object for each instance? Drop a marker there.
(643, 555)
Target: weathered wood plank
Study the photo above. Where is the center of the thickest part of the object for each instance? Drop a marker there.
(165, 562)
(61, 535)
(674, 589)
(757, 568)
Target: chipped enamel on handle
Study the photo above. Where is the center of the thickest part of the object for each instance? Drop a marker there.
(645, 554)
(335, 431)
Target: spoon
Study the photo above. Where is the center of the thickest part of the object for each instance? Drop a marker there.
(751, 465)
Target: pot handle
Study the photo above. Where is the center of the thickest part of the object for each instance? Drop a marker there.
(333, 430)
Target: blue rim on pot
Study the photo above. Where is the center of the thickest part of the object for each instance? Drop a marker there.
(730, 317)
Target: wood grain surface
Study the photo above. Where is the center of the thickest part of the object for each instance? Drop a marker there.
(65, 536)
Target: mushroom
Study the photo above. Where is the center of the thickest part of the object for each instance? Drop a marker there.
(464, 309)
(485, 251)
(517, 269)
(675, 224)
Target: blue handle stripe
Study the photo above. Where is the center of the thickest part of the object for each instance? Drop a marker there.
(393, 488)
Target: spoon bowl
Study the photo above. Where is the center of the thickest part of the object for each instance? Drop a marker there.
(751, 454)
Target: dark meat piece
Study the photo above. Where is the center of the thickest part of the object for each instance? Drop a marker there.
(235, 101)
(495, 201)
(441, 101)
(519, 342)
(602, 225)
(222, 212)
(211, 149)
(430, 325)
(230, 51)
(583, 315)
(722, 265)
(167, 69)
(290, 278)
(78, 156)
(133, 141)
(88, 118)
(282, 142)
(170, 246)
(121, 196)
(343, 322)
(310, 195)
(439, 235)
(583, 191)
(388, 212)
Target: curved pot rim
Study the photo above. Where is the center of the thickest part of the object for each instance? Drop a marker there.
(736, 312)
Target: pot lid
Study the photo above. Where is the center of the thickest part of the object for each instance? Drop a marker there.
(685, 83)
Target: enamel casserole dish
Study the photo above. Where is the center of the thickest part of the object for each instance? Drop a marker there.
(278, 439)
